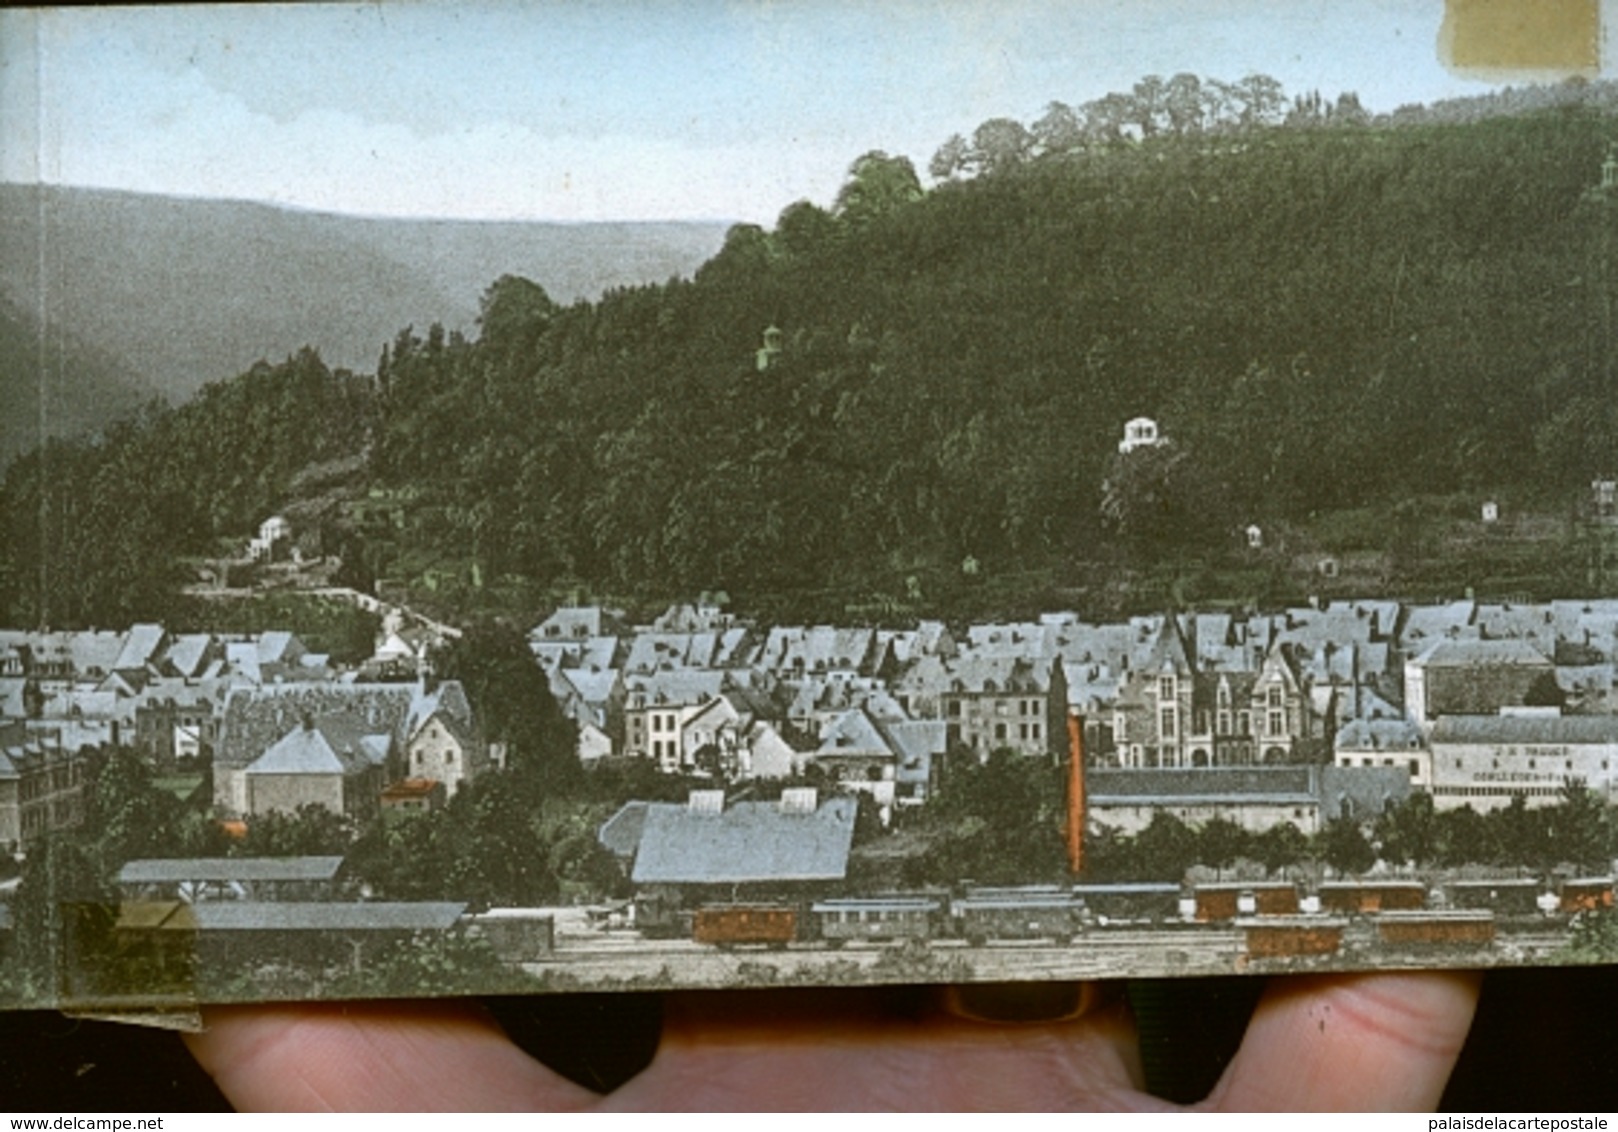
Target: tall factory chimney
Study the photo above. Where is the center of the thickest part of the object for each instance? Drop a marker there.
(1075, 793)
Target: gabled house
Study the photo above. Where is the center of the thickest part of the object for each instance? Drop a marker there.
(656, 706)
(893, 760)
(990, 702)
(442, 742)
(336, 762)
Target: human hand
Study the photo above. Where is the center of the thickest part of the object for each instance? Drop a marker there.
(1343, 1042)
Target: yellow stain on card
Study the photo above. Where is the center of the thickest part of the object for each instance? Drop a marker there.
(1521, 39)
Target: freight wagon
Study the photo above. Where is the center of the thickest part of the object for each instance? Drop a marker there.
(1427, 929)
(1217, 902)
(1585, 894)
(1292, 937)
(1352, 897)
(734, 925)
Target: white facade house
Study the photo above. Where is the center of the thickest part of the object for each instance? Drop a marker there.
(1141, 432)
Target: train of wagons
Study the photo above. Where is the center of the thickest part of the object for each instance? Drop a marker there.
(1278, 918)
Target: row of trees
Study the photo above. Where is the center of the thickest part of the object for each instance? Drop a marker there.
(1185, 105)
(1001, 822)
(1578, 832)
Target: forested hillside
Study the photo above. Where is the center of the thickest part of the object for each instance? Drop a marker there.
(185, 291)
(1332, 315)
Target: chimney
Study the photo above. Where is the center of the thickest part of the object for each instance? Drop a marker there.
(799, 800)
(1075, 794)
(706, 802)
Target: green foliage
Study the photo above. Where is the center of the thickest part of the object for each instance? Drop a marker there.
(1280, 846)
(995, 822)
(1220, 842)
(1159, 501)
(339, 629)
(91, 530)
(955, 367)
(63, 914)
(313, 831)
(1592, 938)
(1165, 849)
(1344, 846)
(1409, 833)
(448, 962)
(515, 707)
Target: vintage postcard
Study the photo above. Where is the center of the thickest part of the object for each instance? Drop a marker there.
(584, 496)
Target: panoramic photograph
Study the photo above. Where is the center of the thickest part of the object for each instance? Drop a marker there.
(613, 497)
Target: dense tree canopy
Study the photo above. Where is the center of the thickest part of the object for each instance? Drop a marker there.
(1326, 317)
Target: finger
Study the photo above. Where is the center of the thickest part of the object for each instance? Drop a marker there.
(1351, 1042)
(869, 1050)
(446, 1056)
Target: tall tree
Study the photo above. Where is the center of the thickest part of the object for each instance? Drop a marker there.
(877, 185)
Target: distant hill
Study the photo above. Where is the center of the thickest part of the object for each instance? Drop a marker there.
(53, 384)
(186, 291)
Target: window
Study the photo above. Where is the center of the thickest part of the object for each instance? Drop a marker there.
(1278, 723)
(1000, 731)
(1022, 731)
(1275, 696)
(1165, 723)
(1415, 769)
(1244, 723)
(1224, 718)
(1165, 687)
(954, 709)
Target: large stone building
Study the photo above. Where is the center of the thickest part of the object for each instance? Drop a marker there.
(1483, 761)
(1473, 677)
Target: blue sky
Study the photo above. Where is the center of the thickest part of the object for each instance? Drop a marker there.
(620, 109)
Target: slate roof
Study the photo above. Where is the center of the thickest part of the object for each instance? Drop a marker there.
(242, 658)
(1378, 735)
(1525, 729)
(305, 915)
(620, 834)
(681, 687)
(140, 646)
(303, 750)
(448, 701)
(1425, 623)
(255, 718)
(1481, 654)
(172, 870)
(853, 734)
(1290, 785)
(186, 654)
(593, 685)
(578, 622)
(749, 842)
